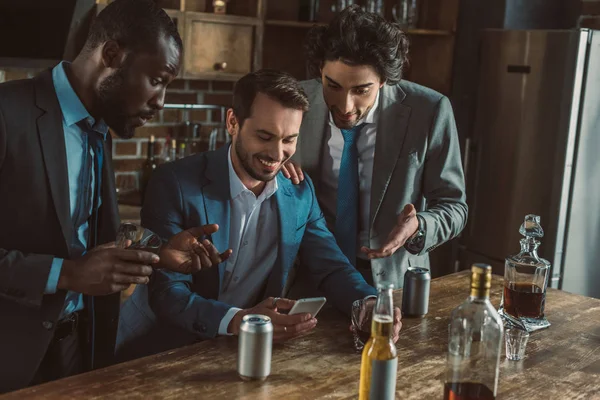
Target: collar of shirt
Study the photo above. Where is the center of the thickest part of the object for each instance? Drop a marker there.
(236, 187)
(71, 106)
(370, 118)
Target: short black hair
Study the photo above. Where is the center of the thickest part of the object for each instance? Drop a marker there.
(357, 37)
(134, 24)
(278, 85)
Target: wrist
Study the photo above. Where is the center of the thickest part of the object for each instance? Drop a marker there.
(234, 325)
(414, 244)
(66, 273)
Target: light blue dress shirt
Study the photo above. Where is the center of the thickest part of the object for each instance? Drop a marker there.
(76, 143)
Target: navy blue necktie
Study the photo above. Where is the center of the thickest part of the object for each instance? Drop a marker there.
(95, 142)
(346, 220)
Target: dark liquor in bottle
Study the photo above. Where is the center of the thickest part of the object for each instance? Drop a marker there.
(525, 280)
(467, 391)
(149, 167)
(308, 10)
(474, 345)
(195, 140)
(524, 300)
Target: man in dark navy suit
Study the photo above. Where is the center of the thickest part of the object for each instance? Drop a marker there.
(59, 279)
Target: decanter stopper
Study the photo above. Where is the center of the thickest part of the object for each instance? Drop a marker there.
(531, 227)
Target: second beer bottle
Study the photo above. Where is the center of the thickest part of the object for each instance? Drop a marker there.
(379, 357)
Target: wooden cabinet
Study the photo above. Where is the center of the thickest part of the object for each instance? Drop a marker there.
(218, 47)
(431, 42)
(267, 33)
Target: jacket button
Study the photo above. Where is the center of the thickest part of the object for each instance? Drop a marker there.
(48, 325)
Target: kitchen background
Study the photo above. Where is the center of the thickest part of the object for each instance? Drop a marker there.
(225, 39)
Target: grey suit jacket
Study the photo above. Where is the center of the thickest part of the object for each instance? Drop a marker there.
(417, 160)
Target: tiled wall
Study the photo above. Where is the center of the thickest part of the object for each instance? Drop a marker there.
(129, 155)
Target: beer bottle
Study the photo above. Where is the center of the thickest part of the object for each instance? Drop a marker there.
(379, 358)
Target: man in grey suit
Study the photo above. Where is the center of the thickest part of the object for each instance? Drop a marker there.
(383, 152)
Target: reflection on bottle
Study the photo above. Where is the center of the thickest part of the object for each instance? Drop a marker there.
(308, 10)
(220, 6)
(405, 13)
(341, 5)
(182, 151)
(375, 6)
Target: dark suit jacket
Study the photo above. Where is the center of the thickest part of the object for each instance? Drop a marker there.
(35, 226)
(194, 192)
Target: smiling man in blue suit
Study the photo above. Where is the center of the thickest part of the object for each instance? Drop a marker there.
(264, 218)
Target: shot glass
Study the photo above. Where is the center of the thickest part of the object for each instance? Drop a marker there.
(516, 341)
(362, 315)
(139, 237)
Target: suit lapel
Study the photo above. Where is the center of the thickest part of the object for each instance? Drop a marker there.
(286, 203)
(52, 140)
(312, 134)
(391, 133)
(217, 197)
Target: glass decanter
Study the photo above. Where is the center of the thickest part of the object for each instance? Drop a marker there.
(525, 281)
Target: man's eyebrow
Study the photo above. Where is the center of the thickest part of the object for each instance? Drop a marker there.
(170, 68)
(364, 85)
(332, 81)
(264, 132)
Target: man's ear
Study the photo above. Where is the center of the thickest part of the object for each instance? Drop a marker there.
(232, 123)
(113, 55)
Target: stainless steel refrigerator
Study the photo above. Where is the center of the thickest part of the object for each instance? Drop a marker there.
(535, 149)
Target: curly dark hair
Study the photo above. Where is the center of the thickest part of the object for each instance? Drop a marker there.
(357, 37)
(134, 24)
(278, 85)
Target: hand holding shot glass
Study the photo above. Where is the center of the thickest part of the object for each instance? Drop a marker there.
(186, 252)
(362, 318)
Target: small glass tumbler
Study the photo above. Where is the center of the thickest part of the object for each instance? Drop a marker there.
(516, 341)
(362, 316)
(140, 237)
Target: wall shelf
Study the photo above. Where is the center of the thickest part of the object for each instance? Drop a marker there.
(292, 24)
(308, 25)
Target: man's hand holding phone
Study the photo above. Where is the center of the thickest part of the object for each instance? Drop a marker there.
(285, 326)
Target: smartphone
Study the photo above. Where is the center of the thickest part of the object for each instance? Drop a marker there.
(309, 305)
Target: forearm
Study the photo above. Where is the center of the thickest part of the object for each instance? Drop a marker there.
(444, 184)
(443, 222)
(173, 301)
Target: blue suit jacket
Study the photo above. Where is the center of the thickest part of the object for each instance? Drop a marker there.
(194, 192)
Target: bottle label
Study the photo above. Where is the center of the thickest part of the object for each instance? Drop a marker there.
(383, 379)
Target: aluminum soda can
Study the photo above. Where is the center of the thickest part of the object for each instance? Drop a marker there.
(415, 293)
(254, 347)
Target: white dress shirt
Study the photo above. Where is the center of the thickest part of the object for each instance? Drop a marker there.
(332, 156)
(253, 233)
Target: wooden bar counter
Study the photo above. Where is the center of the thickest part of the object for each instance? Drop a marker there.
(562, 362)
